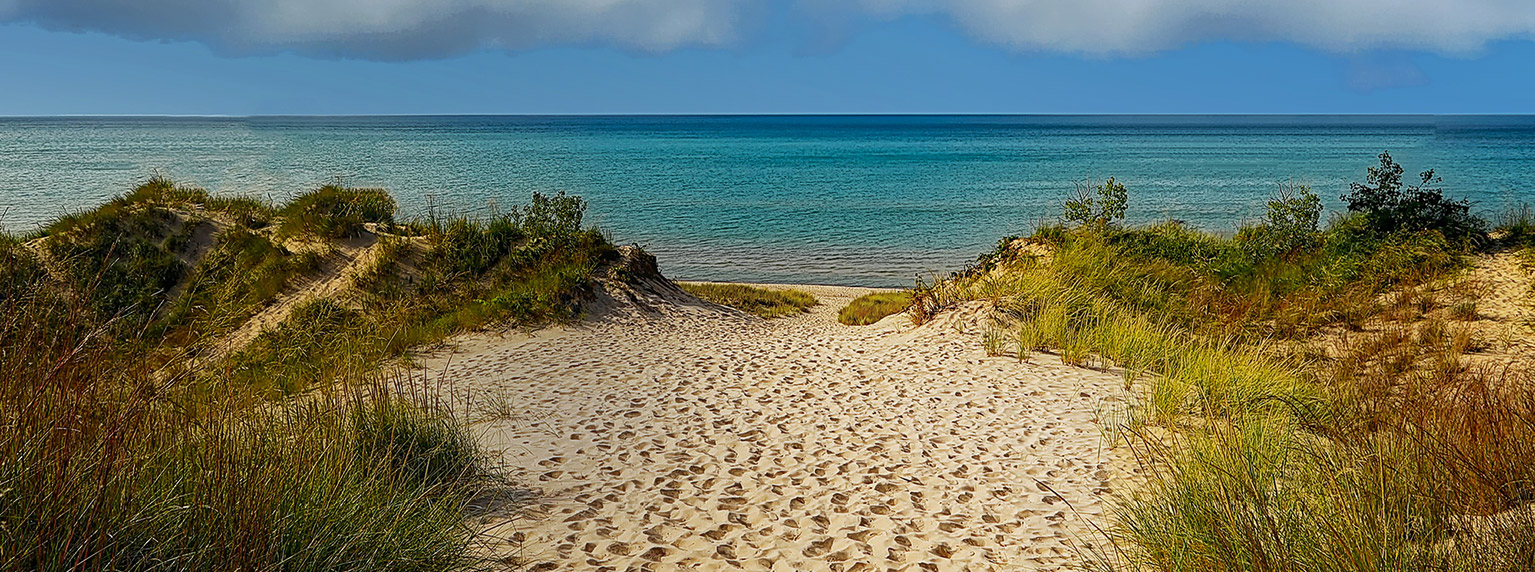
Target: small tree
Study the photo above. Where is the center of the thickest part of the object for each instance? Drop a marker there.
(1099, 205)
(1289, 227)
(1389, 207)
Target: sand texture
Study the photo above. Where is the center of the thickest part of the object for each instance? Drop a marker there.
(670, 437)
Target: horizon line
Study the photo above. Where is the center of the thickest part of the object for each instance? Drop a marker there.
(750, 114)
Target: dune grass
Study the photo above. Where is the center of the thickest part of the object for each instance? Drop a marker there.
(528, 267)
(333, 211)
(1382, 450)
(108, 464)
(761, 302)
(871, 308)
(126, 445)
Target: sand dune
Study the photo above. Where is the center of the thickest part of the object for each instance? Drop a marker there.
(698, 438)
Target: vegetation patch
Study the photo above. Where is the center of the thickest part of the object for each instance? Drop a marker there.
(104, 464)
(1304, 396)
(130, 441)
(760, 302)
(333, 211)
(871, 308)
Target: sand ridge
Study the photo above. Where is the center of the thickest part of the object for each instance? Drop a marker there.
(703, 439)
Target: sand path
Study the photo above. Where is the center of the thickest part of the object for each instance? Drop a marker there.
(702, 439)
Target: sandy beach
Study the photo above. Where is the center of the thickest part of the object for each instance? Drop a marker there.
(669, 436)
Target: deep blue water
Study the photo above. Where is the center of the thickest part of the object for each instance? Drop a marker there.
(861, 200)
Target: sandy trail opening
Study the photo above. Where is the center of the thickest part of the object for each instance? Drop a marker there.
(702, 439)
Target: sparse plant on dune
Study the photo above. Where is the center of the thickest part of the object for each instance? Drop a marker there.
(1290, 227)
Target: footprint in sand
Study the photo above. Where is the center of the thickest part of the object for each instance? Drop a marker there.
(719, 442)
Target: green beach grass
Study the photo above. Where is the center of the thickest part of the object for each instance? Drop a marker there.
(134, 435)
(1303, 397)
(871, 308)
(760, 302)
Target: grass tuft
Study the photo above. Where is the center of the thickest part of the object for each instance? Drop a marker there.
(760, 302)
(871, 308)
(333, 211)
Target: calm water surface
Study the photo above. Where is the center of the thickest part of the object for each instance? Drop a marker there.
(857, 200)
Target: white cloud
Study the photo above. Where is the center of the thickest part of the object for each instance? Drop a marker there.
(1139, 26)
(411, 29)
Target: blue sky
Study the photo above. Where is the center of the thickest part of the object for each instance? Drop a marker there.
(740, 56)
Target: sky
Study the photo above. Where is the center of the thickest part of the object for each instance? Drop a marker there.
(275, 57)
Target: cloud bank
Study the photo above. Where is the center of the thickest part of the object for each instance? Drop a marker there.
(417, 29)
(393, 29)
(1139, 26)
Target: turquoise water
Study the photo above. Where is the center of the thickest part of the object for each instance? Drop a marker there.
(857, 200)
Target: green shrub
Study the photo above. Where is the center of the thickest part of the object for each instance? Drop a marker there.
(551, 216)
(1388, 207)
(1289, 229)
(1098, 205)
(871, 308)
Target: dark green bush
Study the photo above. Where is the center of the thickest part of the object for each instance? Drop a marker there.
(552, 216)
(1388, 207)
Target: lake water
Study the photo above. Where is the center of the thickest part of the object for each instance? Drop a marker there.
(849, 200)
